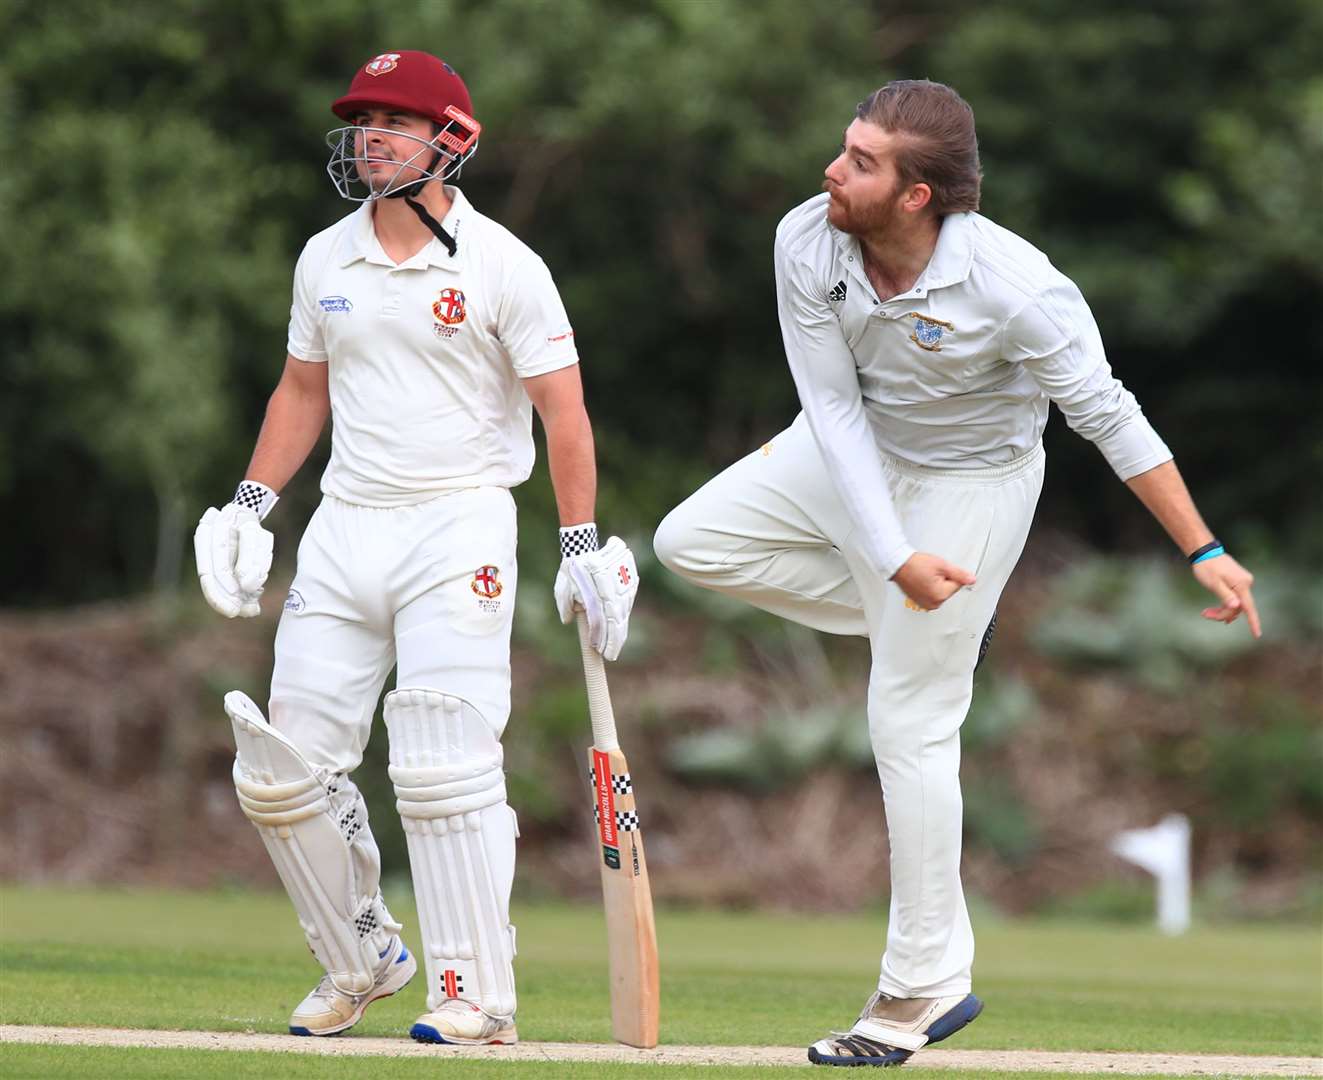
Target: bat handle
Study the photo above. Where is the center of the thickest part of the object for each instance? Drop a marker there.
(599, 697)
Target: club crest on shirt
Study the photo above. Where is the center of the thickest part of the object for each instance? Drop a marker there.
(449, 309)
(927, 333)
(487, 587)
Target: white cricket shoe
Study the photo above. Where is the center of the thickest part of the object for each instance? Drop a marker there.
(890, 1029)
(328, 1010)
(458, 1021)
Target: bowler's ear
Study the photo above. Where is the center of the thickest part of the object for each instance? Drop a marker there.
(918, 196)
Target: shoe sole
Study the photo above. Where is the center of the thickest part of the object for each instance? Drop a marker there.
(946, 1025)
(425, 1033)
(390, 987)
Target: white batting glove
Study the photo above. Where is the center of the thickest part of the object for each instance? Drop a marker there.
(233, 551)
(602, 584)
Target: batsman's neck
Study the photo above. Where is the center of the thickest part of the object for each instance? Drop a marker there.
(399, 230)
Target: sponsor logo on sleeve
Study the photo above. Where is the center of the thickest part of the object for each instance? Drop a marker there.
(335, 303)
(294, 601)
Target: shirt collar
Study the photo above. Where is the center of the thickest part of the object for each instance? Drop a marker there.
(953, 257)
(360, 239)
(951, 261)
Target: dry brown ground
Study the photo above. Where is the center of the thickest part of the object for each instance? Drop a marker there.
(117, 761)
(984, 1061)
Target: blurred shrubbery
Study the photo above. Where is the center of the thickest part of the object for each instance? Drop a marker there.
(1165, 157)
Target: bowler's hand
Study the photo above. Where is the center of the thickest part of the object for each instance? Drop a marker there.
(1230, 583)
(929, 580)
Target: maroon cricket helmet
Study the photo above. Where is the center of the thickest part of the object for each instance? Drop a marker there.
(414, 81)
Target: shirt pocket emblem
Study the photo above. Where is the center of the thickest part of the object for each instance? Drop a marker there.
(449, 310)
(927, 333)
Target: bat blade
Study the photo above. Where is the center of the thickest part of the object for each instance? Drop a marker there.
(631, 932)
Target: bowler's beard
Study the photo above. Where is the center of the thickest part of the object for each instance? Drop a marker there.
(879, 217)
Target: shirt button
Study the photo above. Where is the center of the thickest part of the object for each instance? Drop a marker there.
(852, 258)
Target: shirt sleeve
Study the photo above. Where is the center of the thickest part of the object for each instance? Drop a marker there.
(1056, 338)
(533, 325)
(305, 330)
(828, 383)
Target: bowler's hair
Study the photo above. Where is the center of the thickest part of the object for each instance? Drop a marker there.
(938, 145)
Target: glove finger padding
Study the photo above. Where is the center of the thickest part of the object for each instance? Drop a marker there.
(252, 561)
(616, 583)
(603, 583)
(224, 538)
(210, 549)
(585, 594)
(564, 592)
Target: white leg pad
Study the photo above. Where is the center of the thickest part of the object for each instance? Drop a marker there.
(313, 824)
(446, 768)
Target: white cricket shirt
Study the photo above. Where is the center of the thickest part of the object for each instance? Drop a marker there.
(955, 373)
(426, 356)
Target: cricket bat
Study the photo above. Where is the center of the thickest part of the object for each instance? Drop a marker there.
(631, 934)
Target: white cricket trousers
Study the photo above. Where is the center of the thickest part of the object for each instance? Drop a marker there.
(428, 589)
(771, 530)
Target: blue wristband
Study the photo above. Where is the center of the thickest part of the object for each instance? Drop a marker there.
(1208, 551)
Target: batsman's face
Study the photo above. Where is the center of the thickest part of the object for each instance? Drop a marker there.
(393, 147)
(862, 182)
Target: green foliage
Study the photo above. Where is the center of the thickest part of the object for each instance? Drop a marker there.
(1142, 617)
(171, 167)
(777, 753)
(1270, 762)
(791, 744)
(996, 818)
(1002, 705)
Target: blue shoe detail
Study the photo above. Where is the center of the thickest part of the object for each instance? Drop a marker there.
(895, 1057)
(299, 1031)
(943, 1027)
(425, 1033)
(955, 1019)
(404, 955)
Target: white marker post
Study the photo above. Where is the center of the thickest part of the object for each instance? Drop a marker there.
(1164, 851)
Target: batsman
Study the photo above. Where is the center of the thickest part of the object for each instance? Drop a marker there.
(925, 343)
(428, 334)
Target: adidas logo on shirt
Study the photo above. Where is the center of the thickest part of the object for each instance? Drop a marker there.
(837, 293)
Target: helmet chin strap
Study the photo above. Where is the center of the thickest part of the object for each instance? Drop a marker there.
(419, 209)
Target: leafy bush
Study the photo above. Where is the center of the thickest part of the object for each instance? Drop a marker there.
(1142, 616)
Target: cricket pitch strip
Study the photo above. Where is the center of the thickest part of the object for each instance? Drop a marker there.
(986, 1061)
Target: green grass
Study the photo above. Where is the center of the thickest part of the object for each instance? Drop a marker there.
(236, 962)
